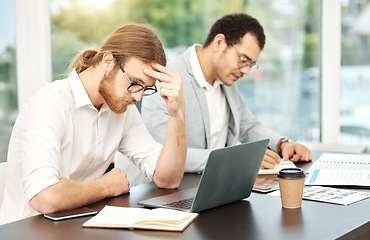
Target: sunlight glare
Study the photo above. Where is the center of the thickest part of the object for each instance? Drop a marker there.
(98, 3)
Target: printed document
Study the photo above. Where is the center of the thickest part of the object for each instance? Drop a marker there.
(334, 169)
(330, 195)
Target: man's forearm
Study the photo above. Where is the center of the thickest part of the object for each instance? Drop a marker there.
(68, 194)
(171, 162)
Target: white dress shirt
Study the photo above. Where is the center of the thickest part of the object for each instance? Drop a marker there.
(218, 108)
(61, 134)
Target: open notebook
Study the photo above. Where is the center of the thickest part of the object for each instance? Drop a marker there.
(277, 168)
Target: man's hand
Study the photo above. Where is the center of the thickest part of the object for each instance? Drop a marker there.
(295, 152)
(170, 88)
(270, 160)
(115, 182)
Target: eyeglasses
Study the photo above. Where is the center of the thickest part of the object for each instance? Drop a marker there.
(245, 62)
(136, 87)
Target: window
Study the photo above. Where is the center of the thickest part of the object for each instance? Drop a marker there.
(8, 79)
(355, 73)
(284, 93)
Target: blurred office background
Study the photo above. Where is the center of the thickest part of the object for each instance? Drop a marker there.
(285, 93)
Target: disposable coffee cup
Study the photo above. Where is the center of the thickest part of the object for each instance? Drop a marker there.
(291, 184)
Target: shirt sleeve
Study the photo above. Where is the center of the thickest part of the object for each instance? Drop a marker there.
(39, 133)
(251, 129)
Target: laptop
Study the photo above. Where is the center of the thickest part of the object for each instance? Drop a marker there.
(228, 176)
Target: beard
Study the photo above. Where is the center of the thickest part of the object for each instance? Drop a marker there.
(106, 89)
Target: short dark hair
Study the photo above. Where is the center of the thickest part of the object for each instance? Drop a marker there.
(234, 27)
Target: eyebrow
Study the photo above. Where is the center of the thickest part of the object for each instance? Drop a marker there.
(246, 56)
(136, 80)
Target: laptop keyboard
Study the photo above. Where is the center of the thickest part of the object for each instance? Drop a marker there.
(182, 204)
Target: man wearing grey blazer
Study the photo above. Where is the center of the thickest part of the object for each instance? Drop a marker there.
(215, 113)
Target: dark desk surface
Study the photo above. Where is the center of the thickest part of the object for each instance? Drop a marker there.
(258, 217)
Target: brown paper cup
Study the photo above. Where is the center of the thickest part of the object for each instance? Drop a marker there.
(291, 184)
(291, 192)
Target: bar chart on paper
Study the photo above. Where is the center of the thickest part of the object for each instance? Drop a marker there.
(334, 169)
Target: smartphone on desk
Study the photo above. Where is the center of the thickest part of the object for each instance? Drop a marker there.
(266, 183)
(73, 213)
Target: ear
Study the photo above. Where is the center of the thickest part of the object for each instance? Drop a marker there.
(108, 61)
(219, 42)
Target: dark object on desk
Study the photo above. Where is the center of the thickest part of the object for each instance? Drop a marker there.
(228, 177)
(291, 173)
(73, 213)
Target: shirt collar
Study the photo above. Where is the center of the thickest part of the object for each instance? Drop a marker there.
(78, 90)
(197, 70)
(195, 66)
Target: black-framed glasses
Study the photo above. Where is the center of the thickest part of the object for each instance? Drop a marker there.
(137, 87)
(245, 62)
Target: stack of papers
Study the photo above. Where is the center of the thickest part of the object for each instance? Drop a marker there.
(337, 169)
(330, 195)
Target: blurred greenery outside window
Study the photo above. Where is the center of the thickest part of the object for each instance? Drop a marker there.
(8, 78)
(284, 93)
(355, 73)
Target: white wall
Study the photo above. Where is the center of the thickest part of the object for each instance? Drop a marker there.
(330, 70)
(33, 47)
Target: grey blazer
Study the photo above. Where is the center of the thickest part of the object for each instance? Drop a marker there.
(243, 126)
